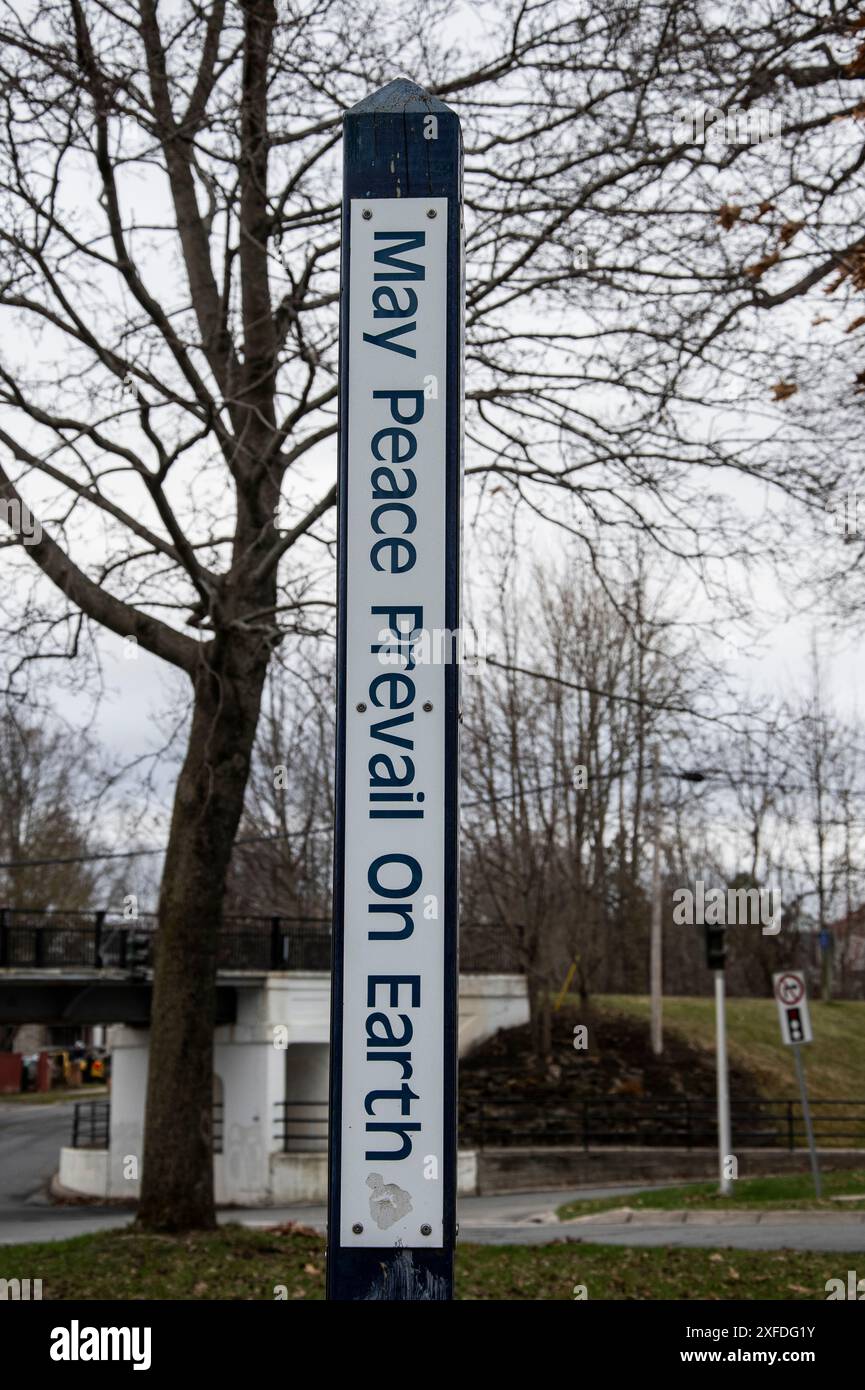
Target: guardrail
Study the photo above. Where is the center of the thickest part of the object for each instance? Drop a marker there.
(299, 1123)
(101, 940)
(55, 939)
(689, 1122)
(91, 1124)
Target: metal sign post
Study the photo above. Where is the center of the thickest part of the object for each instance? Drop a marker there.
(809, 1128)
(716, 958)
(656, 939)
(795, 1019)
(725, 1139)
(392, 1164)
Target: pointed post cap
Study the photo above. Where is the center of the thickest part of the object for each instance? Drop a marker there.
(400, 98)
(401, 142)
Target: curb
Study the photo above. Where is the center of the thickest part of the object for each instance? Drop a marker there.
(629, 1216)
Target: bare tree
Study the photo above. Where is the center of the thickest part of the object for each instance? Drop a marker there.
(826, 755)
(282, 861)
(555, 772)
(168, 282)
(49, 795)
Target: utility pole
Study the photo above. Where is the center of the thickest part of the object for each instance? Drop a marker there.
(827, 956)
(655, 946)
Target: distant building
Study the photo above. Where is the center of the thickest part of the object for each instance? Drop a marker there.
(848, 934)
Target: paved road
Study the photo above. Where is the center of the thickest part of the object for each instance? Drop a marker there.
(529, 1219)
(792, 1235)
(31, 1137)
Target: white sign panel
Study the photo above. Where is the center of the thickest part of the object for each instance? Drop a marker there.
(792, 1001)
(395, 525)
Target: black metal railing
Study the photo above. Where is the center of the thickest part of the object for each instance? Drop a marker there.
(104, 941)
(300, 1123)
(91, 1124)
(274, 943)
(687, 1122)
(679, 1122)
(218, 1113)
(59, 939)
(91, 1120)
(593, 1122)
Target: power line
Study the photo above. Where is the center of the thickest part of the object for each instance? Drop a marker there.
(694, 776)
(662, 706)
(285, 835)
(161, 849)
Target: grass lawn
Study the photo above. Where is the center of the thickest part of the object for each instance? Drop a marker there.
(236, 1263)
(795, 1192)
(834, 1062)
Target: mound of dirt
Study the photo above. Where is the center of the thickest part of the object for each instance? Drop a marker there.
(615, 1086)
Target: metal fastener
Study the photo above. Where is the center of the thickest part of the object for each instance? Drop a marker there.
(367, 214)
(361, 708)
(428, 706)
(426, 1230)
(357, 1228)
(431, 212)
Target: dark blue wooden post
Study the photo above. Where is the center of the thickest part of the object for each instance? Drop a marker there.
(402, 171)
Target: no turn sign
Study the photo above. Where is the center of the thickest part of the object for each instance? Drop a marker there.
(792, 1000)
(790, 987)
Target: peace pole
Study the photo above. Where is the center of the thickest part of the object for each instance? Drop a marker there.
(392, 1162)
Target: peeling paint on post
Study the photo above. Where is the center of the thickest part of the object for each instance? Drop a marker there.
(392, 1164)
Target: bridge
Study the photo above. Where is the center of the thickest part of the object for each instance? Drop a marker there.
(271, 1042)
(94, 966)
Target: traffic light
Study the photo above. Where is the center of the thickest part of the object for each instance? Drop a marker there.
(716, 947)
(137, 952)
(794, 1023)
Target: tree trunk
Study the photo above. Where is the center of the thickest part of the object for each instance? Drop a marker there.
(177, 1175)
(541, 1022)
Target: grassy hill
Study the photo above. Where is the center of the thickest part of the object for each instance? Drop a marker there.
(834, 1062)
(507, 1095)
